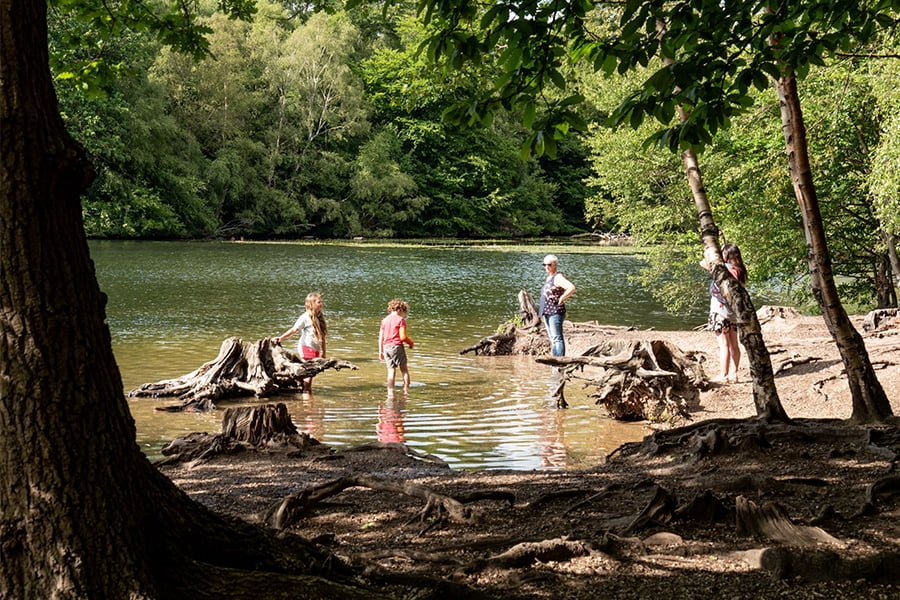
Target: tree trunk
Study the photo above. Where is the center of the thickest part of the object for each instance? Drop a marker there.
(870, 404)
(765, 394)
(84, 514)
(891, 243)
(67, 453)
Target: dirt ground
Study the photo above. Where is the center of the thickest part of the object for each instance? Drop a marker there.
(597, 532)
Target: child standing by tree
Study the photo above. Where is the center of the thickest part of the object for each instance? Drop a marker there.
(391, 337)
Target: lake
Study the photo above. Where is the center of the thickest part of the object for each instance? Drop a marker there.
(171, 304)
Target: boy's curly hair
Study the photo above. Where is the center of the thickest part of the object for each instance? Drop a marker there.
(398, 305)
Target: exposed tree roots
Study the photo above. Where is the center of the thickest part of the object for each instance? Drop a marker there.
(389, 447)
(289, 510)
(722, 436)
(770, 521)
(637, 379)
(259, 368)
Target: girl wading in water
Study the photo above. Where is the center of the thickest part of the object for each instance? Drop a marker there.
(556, 290)
(313, 331)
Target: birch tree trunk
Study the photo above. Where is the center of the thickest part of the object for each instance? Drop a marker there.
(870, 404)
(765, 394)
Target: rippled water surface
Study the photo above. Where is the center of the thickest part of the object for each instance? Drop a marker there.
(171, 304)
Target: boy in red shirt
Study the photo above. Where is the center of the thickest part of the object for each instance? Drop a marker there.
(391, 337)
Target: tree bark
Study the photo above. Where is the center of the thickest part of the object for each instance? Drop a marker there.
(84, 513)
(870, 404)
(67, 453)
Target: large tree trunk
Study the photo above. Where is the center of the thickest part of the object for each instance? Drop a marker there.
(84, 514)
(67, 451)
(870, 404)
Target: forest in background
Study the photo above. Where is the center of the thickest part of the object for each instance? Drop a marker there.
(305, 122)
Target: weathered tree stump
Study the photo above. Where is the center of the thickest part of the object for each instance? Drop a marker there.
(637, 379)
(262, 428)
(522, 335)
(261, 368)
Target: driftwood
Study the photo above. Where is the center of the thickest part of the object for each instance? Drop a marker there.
(522, 335)
(261, 368)
(881, 319)
(263, 428)
(768, 313)
(795, 360)
(771, 522)
(499, 344)
(637, 379)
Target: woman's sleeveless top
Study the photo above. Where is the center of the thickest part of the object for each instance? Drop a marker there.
(550, 294)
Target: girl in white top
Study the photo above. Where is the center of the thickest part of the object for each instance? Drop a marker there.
(313, 331)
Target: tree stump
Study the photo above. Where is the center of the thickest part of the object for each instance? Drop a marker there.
(262, 428)
(524, 334)
(261, 368)
(637, 379)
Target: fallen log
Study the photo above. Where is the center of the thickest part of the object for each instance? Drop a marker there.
(261, 368)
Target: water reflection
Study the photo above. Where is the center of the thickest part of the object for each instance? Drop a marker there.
(554, 452)
(311, 419)
(172, 304)
(390, 421)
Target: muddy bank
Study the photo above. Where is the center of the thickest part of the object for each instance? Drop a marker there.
(659, 520)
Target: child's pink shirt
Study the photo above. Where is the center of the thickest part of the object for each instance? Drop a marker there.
(390, 330)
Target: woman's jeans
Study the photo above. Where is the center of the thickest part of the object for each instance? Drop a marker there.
(554, 325)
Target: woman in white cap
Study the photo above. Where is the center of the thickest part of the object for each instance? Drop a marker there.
(556, 290)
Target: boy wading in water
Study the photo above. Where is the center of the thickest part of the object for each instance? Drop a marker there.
(391, 338)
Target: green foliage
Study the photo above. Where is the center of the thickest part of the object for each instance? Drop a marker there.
(884, 177)
(297, 123)
(718, 52)
(85, 30)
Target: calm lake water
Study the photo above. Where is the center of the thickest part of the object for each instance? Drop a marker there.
(171, 304)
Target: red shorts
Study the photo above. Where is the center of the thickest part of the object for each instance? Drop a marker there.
(308, 353)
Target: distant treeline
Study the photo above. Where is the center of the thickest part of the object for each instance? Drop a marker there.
(330, 124)
(325, 125)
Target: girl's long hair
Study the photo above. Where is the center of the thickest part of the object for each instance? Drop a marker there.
(317, 316)
(732, 254)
